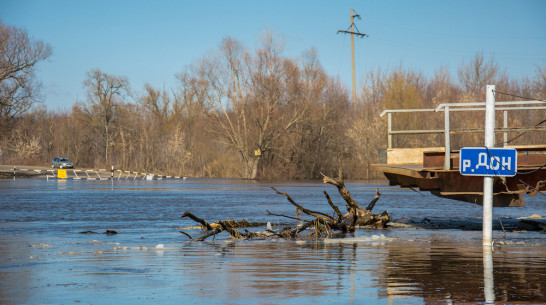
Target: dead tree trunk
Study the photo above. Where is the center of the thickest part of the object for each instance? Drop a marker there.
(356, 215)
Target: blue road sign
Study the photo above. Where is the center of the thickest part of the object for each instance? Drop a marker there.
(480, 161)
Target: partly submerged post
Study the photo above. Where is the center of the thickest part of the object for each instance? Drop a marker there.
(488, 180)
(487, 229)
(488, 278)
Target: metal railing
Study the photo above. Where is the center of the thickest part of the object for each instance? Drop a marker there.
(89, 174)
(447, 108)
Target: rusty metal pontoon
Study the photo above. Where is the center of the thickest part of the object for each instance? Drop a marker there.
(436, 169)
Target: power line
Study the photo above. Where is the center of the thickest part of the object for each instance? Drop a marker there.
(491, 156)
(522, 97)
(525, 98)
(521, 134)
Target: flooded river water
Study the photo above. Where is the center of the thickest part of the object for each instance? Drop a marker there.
(45, 260)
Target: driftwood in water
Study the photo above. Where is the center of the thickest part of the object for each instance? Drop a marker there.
(356, 215)
(322, 224)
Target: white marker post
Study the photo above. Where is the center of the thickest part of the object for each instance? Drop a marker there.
(487, 227)
(488, 162)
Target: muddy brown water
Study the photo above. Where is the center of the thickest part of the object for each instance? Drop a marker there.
(45, 260)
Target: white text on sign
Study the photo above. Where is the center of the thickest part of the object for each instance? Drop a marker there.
(481, 161)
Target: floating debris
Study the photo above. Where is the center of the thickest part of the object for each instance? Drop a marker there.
(70, 252)
(107, 232)
(89, 232)
(42, 245)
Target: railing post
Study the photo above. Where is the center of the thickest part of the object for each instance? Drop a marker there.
(447, 157)
(389, 129)
(505, 126)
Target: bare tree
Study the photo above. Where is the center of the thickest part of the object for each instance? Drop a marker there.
(156, 101)
(403, 89)
(251, 97)
(227, 79)
(275, 106)
(191, 114)
(317, 139)
(104, 97)
(19, 55)
(539, 83)
(476, 74)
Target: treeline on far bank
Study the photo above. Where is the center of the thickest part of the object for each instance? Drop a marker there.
(257, 114)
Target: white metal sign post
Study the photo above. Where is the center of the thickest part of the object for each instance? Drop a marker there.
(487, 226)
(488, 180)
(488, 162)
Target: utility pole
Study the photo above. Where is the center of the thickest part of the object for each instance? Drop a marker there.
(362, 35)
(353, 56)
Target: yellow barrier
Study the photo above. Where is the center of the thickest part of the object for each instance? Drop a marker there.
(61, 174)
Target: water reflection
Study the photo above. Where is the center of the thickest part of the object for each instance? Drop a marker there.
(16, 264)
(463, 274)
(281, 270)
(396, 271)
(410, 266)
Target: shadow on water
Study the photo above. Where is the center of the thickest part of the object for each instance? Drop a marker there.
(44, 259)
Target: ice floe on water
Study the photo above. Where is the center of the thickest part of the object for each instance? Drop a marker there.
(158, 247)
(70, 252)
(42, 245)
(373, 238)
(94, 241)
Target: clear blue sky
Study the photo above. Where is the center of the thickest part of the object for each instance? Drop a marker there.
(151, 41)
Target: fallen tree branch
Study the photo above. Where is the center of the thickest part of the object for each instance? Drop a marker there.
(322, 224)
(338, 182)
(334, 207)
(232, 231)
(304, 210)
(188, 235)
(295, 232)
(209, 234)
(374, 200)
(203, 222)
(280, 215)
